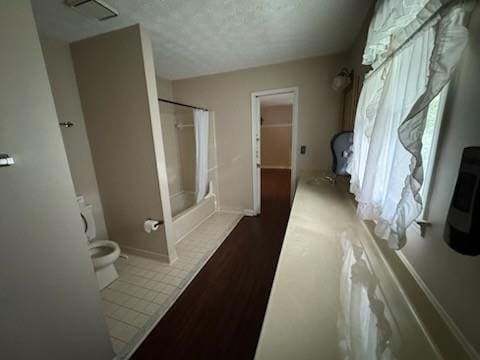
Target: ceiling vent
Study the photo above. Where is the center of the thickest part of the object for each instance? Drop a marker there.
(93, 8)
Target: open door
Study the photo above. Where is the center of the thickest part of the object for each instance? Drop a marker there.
(257, 183)
(49, 295)
(286, 96)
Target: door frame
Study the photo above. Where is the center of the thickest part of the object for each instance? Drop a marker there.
(256, 142)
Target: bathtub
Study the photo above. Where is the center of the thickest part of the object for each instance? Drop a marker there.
(181, 201)
(189, 215)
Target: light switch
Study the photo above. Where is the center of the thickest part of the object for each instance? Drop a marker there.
(303, 149)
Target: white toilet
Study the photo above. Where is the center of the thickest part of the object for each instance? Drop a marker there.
(103, 252)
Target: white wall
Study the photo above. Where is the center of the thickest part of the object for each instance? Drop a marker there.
(67, 103)
(50, 305)
(229, 95)
(451, 277)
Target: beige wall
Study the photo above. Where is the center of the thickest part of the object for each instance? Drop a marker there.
(67, 103)
(356, 53)
(276, 136)
(352, 93)
(453, 278)
(50, 306)
(111, 71)
(229, 95)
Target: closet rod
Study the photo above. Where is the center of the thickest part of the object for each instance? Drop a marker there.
(180, 104)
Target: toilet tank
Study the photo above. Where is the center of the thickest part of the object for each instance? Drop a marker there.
(88, 222)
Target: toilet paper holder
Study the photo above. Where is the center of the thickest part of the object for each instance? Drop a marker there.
(157, 222)
(152, 225)
(6, 160)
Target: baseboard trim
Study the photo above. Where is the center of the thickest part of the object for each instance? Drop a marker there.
(147, 254)
(468, 348)
(231, 210)
(369, 226)
(249, 212)
(287, 125)
(273, 167)
(245, 212)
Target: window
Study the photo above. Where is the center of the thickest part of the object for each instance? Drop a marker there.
(408, 67)
(429, 147)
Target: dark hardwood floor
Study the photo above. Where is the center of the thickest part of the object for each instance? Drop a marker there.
(220, 314)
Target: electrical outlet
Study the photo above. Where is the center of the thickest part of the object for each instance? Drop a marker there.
(303, 149)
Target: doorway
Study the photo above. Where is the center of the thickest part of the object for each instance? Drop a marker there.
(274, 139)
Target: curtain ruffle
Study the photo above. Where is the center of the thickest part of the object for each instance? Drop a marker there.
(450, 41)
(386, 165)
(395, 22)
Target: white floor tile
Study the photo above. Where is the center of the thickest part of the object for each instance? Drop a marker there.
(123, 332)
(151, 308)
(150, 295)
(160, 298)
(109, 308)
(117, 345)
(132, 302)
(120, 313)
(130, 317)
(140, 320)
(111, 323)
(168, 289)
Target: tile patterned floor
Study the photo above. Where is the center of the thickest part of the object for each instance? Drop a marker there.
(146, 288)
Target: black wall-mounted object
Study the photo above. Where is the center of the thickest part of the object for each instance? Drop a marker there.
(462, 230)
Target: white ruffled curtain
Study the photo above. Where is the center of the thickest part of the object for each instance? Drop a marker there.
(413, 47)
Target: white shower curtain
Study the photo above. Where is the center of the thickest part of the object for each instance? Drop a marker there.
(200, 119)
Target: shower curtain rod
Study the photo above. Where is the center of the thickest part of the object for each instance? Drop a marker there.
(180, 104)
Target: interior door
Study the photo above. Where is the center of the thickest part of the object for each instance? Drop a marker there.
(258, 155)
(48, 296)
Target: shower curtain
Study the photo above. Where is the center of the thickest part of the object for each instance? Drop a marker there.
(200, 119)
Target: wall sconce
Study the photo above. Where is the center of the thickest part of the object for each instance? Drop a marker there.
(342, 80)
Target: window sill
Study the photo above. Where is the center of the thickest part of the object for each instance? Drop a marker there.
(420, 227)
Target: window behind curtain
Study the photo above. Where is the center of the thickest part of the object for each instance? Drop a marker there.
(429, 145)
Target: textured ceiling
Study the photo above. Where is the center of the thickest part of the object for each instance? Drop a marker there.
(199, 37)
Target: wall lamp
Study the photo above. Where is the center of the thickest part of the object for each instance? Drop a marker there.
(342, 80)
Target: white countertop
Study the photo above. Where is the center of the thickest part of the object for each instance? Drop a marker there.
(315, 310)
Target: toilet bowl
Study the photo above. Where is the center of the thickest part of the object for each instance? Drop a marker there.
(103, 253)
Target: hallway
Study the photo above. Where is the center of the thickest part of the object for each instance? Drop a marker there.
(220, 314)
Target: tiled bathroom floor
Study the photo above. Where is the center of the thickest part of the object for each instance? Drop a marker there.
(146, 288)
